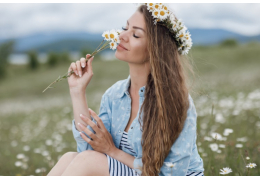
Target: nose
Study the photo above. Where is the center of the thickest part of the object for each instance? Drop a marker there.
(123, 36)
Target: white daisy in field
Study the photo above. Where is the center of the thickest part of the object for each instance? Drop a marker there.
(48, 142)
(216, 136)
(38, 170)
(214, 146)
(169, 164)
(26, 148)
(218, 151)
(247, 158)
(239, 145)
(225, 170)
(222, 145)
(106, 35)
(18, 163)
(227, 131)
(113, 45)
(251, 165)
(20, 156)
(242, 139)
(206, 138)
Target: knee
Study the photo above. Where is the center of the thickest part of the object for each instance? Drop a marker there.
(88, 155)
(69, 155)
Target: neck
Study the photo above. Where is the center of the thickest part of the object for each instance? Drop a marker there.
(138, 77)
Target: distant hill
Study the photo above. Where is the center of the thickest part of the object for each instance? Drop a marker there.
(59, 41)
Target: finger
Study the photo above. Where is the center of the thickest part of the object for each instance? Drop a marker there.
(90, 123)
(86, 138)
(88, 56)
(74, 68)
(97, 118)
(83, 62)
(87, 131)
(90, 65)
(79, 68)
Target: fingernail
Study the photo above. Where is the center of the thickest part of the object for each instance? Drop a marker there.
(83, 66)
(90, 109)
(81, 115)
(80, 75)
(80, 124)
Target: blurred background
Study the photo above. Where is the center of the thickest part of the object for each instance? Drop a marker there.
(38, 42)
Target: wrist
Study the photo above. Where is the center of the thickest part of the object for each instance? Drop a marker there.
(112, 153)
(77, 91)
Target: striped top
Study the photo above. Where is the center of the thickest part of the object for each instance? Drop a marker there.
(124, 143)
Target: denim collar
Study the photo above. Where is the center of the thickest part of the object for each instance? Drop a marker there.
(126, 86)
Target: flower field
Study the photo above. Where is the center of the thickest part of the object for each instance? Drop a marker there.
(35, 127)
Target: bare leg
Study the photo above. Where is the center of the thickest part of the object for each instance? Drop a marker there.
(88, 163)
(62, 164)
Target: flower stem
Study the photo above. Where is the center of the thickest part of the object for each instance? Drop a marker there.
(68, 74)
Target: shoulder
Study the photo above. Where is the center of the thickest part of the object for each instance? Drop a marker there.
(191, 119)
(116, 90)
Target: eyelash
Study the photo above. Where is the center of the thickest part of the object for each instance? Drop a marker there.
(133, 35)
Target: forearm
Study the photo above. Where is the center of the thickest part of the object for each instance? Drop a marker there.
(80, 106)
(123, 157)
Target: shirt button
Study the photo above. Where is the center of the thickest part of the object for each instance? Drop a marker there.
(119, 131)
(141, 90)
(131, 127)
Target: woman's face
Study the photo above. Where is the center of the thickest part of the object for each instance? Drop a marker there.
(134, 39)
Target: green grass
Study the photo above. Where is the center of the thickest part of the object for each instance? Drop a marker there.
(224, 78)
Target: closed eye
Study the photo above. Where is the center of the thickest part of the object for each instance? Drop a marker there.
(133, 35)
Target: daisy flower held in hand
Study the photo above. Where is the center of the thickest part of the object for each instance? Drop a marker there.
(111, 37)
(225, 170)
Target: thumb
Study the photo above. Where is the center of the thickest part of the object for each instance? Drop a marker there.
(90, 64)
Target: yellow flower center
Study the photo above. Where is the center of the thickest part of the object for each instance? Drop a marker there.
(112, 36)
(156, 6)
(112, 44)
(151, 8)
(181, 35)
(156, 13)
(162, 13)
(165, 8)
(106, 35)
(150, 4)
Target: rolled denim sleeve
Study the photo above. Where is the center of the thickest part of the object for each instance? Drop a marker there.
(104, 115)
(180, 153)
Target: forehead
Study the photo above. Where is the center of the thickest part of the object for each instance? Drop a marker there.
(137, 19)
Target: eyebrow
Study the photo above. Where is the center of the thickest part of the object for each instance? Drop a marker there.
(135, 26)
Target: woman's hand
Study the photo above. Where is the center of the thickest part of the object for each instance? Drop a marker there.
(82, 75)
(102, 141)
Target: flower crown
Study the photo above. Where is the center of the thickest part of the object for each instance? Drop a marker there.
(163, 16)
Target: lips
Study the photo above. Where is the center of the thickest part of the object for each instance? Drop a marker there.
(122, 46)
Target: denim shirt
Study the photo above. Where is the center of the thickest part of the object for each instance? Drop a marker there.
(115, 110)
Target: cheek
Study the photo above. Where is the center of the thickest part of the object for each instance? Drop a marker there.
(139, 50)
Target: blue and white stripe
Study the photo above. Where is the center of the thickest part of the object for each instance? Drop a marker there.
(117, 168)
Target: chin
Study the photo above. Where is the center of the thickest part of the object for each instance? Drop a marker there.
(119, 56)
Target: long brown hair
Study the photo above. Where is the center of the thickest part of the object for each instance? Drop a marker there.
(166, 96)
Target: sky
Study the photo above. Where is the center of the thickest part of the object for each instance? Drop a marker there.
(24, 19)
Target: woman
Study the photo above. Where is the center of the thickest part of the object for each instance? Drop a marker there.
(147, 122)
